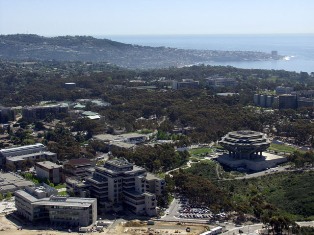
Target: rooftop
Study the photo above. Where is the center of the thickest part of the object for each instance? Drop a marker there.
(48, 165)
(22, 157)
(57, 200)
(79, 161)
(150, 176)
(22, 148)
(13, 181)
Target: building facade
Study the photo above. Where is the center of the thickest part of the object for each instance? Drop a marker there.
(79, 167)
(245, 144)
(49, 171)
(14, 158)
(186, 83)
(119, 185)
(287, 101)
(280, 90)
(6, 114)
(33, 113)
(43, 204)
(221, 82)
(265, 101)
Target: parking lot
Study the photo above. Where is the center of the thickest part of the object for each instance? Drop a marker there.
(183, 211)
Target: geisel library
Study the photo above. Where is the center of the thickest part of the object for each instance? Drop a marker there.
(246, 149)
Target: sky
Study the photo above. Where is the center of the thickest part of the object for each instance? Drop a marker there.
(156, 17)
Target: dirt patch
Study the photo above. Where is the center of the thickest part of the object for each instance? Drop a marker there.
(166, 228)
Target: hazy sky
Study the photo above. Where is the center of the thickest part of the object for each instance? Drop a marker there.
(126, 17)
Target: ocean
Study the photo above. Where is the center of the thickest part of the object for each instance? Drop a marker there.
(298, 49)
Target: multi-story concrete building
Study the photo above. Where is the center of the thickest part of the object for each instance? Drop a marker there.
(154, 184)
(305, 102)
(33, 113)
(49, 170)
(221, 82)
(77, 187)
(79, 167)
(43, 204)
(14, 158)
(6, 114)
(287, 101)
(245, 144)
(120, 185)
(280, 90)
(186, 83)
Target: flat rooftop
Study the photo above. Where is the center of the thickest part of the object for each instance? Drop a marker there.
(48, 165)
(150, 176)
(22, 148)
(57, 200)
(121, 137)
(13, 182)
(22, 157)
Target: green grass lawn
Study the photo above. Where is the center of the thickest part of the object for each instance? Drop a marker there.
(282, 148)
(59, 186)
(199, 151)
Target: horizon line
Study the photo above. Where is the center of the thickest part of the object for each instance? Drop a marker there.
(156, 35)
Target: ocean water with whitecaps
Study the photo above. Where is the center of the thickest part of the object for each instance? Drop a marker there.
(298, 49)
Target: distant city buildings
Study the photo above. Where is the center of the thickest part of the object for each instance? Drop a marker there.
(265, 101)
(274, 54)
(42, 204)
(33, 113)
(285, 98)
(186, 83)
(221, 82)
(287, 101)
(70, 85)
(283, 90)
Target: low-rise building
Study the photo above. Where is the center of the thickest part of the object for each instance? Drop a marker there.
(49, 171)
(17, 157)
(280, 90)
(33, 113)
(43, 204)
(185, 83)
(305, 102)
(10, 182)
(77, 187)
(221, 82)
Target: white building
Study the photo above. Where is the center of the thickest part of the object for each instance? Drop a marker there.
(14, 157)
(41, 204)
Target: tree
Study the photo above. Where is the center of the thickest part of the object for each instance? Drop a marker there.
(8, 195)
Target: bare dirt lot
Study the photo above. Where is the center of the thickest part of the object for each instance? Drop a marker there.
(8, 227)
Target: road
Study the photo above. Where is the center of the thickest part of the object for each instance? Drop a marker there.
(247, 229)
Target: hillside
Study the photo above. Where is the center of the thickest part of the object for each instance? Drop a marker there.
(84, 48)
